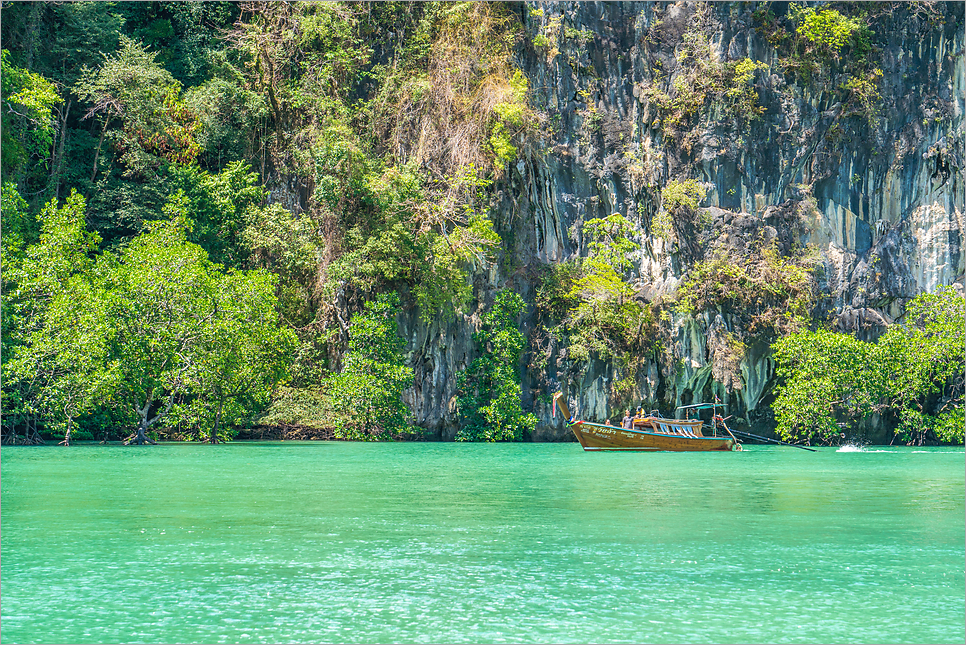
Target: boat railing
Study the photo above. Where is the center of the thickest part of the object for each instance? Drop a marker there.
(678, 427)
(660, 426)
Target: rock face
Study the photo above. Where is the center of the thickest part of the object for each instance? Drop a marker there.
(878, 195)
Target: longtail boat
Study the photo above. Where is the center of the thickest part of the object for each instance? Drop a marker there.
(650, 433)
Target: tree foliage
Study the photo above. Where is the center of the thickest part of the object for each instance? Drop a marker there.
(698, 83)
(240, 357)
(143, 331)
(253, 172)
(132, 90)
(679, 204)
(367, 394)
(264, 125)
(914, 371)
(827, 375)
(184, 331)
(773, 295)
(824, 44)
(220, 206)
(488, 398)
(605, 319)
(825, 29)
(54, 351)
(922, 362)
(27, 117)
(19, 227)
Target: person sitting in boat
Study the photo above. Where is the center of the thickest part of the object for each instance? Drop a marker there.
(638, 421)
(628, 421)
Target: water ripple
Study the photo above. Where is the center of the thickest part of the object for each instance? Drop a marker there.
(526, 543)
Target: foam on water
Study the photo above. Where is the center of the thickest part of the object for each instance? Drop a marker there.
(862, 447)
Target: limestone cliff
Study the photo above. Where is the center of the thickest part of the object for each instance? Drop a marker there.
(867, 178)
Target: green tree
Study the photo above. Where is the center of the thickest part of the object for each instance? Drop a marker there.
(915, 370)
(27, 120)
(59, 39)
(283, 242)
(56, 40)
(161, 301)
(53, 325)
(304, 58)
(770, 294)
(183, 332)
(132, 90)
(395, 228)
(186, 35)
(32, 280)
(290, 247)
(922, 362)
(18, 226)
(679, 204)
(488, 391)
(823, 375)
(220, 206)
(242, 353)
(230, 117)
(66, 359)
(386, 215)
(367, 393)
(826, 30)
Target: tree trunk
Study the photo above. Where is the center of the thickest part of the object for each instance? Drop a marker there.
(9, 432)
(140, 437)
(97, 153)
(31, 38)
(57, 163)
(70, 428)
(33, 436)
(214, 431)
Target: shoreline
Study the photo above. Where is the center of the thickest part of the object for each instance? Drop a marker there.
(51, 443)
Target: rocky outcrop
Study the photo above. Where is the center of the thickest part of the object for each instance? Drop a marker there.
(879, 196)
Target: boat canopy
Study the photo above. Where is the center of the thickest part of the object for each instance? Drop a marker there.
(695, 407)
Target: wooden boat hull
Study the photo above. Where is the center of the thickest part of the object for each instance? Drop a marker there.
(593, 436)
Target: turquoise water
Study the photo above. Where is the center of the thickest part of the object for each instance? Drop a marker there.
(429, 542)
